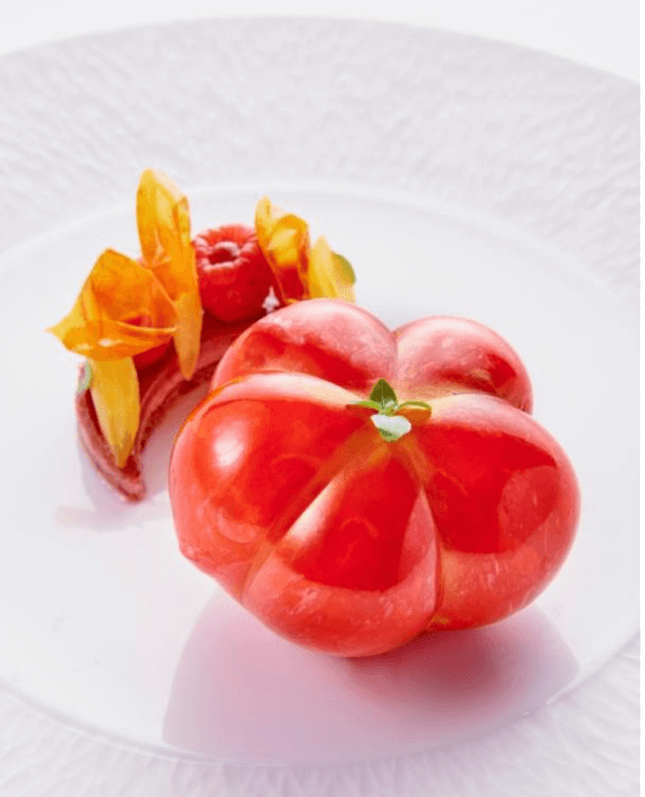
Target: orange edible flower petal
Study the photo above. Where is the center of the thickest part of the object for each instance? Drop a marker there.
(115, 392)
(284, 241)
(119, 290)
(163, 222)
(329, 274)
(301, 271)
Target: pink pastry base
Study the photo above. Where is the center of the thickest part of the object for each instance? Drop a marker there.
(160, 385)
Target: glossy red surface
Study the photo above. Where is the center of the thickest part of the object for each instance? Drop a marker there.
(343, 542)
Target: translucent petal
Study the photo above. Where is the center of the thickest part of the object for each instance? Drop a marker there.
(284, 241)
(163, 222)
(115, 392)
(301, 271)
(122, 310)
(328, 274)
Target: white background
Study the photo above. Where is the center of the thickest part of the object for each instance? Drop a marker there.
(599, 33)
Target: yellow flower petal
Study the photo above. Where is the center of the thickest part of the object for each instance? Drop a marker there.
(115, 392)
(163, 222)
(122, 310)
(301, 271)
(189, 329)
(284, 241)
(329, 274)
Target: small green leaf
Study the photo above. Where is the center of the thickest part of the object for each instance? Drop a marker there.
(345, 267)
(391, 427)
(383, 394)
(85, 379)
(372, 404)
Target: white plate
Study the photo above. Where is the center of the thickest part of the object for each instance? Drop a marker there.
(459, 176)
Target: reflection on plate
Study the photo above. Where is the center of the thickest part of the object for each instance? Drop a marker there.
(242, 693)
(459, 177)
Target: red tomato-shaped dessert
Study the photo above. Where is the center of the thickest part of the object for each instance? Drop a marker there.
(437, 502)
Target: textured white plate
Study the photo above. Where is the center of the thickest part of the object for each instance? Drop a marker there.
(459, 176)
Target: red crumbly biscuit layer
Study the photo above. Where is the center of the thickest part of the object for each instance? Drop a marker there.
(160, 386)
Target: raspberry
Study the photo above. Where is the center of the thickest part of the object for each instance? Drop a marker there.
(234, 277)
